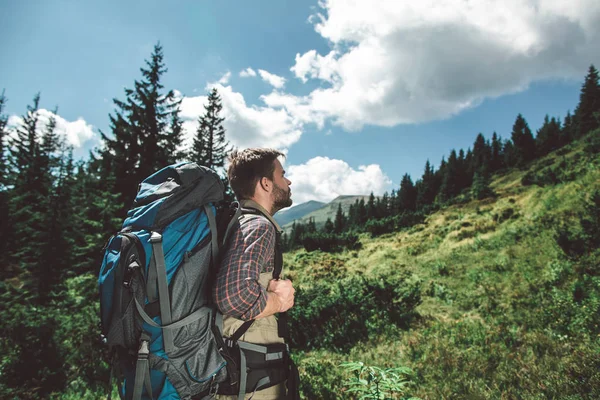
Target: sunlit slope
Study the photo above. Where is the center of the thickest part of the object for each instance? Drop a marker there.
(494, 284)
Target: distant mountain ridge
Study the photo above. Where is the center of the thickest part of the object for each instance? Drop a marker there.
(321, 214)
(289, 215)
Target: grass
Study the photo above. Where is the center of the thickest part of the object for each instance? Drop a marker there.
(492, 275)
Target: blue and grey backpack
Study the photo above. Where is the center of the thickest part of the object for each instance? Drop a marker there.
(156, 313)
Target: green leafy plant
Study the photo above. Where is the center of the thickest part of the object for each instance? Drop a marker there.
(370, 382)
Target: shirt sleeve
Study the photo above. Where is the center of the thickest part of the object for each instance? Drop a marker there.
(237, 291)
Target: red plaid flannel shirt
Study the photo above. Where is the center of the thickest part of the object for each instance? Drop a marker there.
(251, 251)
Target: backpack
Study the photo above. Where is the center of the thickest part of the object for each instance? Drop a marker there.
(154, 282)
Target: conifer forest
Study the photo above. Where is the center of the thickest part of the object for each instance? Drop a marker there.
(479, 279)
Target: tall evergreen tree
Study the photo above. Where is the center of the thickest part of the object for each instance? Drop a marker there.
(588, 109)
(450, 185)
(371, 207)
(548, 136)
(523, 141)
(407, 195)
(567, 133)
(497, 156)
(328, 227)
(383, 205)
(340, 220)
(145, 131)
(4, 214)
(210, 147)
(3, 137)
(25, 200)
(463, 173)
(482, 153)
(510, 158)
(427, 187)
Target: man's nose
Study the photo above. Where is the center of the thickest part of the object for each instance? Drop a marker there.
(288, 182)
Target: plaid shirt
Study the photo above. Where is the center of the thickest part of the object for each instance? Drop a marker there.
(237, 291)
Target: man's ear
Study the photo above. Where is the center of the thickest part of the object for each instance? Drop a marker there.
(266, 184)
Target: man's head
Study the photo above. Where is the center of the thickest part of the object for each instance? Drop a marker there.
(256, 174)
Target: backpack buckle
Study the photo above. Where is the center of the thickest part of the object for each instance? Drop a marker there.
(128, 275)
(144, 350)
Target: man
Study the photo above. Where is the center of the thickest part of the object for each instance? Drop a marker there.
(245, 289)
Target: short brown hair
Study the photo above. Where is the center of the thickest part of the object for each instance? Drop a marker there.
(247, 167)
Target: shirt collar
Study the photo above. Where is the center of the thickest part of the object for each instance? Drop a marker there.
(262, 210)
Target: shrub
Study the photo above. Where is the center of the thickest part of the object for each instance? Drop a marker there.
(330, 242)
(369, 382)
(337, 315)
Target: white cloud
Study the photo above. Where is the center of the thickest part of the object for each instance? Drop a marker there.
(396, 62)
(76, 133)
(225, 79)
(245, 125)
(248, 72)
(324, 179)
(276, 81)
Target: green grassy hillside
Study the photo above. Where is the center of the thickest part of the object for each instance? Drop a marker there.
(509, 292)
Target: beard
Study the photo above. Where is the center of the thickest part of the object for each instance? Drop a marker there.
(281, 198)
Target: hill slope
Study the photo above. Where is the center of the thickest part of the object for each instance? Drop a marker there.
(509, 285)
(328, 210)
(288, 215)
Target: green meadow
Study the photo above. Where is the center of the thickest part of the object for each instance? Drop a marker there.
(488, 299)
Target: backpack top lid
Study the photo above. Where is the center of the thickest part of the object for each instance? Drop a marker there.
(172, 192)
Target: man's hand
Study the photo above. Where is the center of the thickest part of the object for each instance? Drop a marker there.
(283, 289)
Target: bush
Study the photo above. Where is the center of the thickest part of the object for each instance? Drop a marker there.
(330, 242)
(376, 383)
(337, 315)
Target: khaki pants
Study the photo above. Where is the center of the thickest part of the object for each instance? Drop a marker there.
(276, 392)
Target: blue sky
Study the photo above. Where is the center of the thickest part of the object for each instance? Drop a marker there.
(370, 91)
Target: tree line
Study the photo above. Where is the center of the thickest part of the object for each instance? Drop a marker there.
(57, 212)
(462, 175)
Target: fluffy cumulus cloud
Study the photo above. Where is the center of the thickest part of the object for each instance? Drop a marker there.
(324, 179)
(248, 72)
(76, 133)
(276, 81)
(394, 62)
(246, 125)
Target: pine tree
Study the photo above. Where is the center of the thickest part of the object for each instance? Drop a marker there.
(328, 227)
(548, 136)
(34, 165)
(482, 153)
(3, 137)
(481, 184)
(383, 205)
(497, 155)
(145, 130)
(463, 178)
(523, 141)
(340, 221)
(426, 189)
(588, 110)
(4, 193)
(371, 208)
(510, 158)
(450, 186)
(567, 133)
(210, 147)
(361, 213)
(407, 194)
(25, 200)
